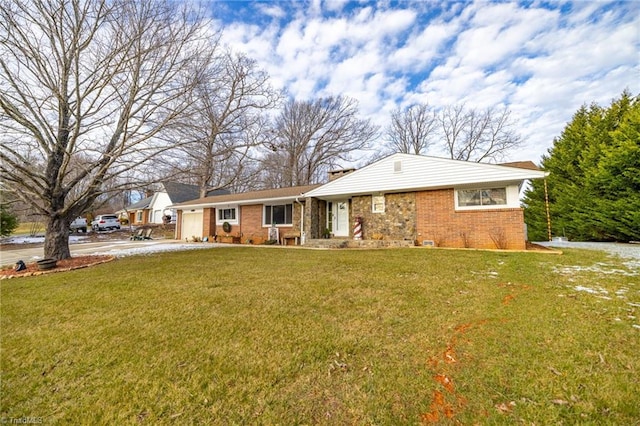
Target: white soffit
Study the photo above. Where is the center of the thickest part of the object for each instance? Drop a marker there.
(404, 172)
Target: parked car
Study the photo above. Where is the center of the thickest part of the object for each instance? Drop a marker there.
(79, 225)
(105, 222)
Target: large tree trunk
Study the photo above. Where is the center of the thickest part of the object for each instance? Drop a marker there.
(56, 240)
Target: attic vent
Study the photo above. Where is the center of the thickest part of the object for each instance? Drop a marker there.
(397, 166)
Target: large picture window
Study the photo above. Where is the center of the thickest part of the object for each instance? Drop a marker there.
(281, 214)
(482, 197)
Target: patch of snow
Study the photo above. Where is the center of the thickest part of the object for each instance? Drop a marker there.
(150, 248)
(599, 290)
(600, 268)
(636, 326)
(491, 274)
(39, 239)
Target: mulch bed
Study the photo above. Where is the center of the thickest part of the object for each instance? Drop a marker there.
(62, 265)
(533, 246)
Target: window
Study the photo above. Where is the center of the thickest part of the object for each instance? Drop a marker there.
(377, 204)
(227, 215)
(482, 197)
(281, 214)
(139, 216)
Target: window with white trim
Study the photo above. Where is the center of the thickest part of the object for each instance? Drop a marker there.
(481, 197)
(139, 216)
(278, 214)
(229, 214)
(377, 204)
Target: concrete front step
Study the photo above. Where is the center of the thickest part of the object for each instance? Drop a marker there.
(348, 243)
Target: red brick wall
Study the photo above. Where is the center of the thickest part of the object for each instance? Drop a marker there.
(437, 220)
(179, 225)
(251, 224)
(134, 214)
(208, 222)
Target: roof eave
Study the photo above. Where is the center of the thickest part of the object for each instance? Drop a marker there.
(319, 193)
(237, 202)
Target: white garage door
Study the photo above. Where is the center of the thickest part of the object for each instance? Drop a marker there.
(192, 225)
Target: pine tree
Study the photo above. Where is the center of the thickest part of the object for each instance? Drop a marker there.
(594, 181)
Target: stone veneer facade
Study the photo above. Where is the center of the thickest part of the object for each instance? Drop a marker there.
(398, 222)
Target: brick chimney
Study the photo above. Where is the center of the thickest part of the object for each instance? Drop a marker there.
(335, 174)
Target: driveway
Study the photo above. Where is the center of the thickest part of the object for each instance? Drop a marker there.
(627, 251)
(32, 252)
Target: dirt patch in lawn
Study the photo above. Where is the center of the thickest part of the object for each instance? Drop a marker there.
(61, 265)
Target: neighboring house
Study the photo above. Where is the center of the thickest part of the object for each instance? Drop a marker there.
(155, 209)
(137, 213)
(417, 199)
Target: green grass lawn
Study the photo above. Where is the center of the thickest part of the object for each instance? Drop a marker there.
(29, 228)
(268, 336)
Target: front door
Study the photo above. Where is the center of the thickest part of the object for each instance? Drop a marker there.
(340, 216)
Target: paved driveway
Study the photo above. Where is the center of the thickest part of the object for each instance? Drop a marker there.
(627, 251)
(35, 252)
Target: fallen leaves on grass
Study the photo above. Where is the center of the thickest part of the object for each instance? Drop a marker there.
(505, 407)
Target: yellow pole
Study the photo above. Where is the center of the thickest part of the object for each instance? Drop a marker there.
(546, 203)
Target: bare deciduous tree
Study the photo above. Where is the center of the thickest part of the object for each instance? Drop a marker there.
(224, 123)
(313, 136)
(86, 86)
(474, 135)
(412, 130)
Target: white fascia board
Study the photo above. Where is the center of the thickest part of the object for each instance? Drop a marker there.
(238, 203)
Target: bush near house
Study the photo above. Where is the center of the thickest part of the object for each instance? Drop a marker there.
(250, 335)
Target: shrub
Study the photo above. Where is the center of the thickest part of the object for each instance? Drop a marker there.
(8, 221)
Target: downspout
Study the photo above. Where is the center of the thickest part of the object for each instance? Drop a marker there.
(302, 234)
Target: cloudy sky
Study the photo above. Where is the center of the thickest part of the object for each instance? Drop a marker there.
(542, 60)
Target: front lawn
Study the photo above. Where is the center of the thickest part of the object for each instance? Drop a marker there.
(269, 336)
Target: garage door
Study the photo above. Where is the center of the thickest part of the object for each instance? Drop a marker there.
(192, 225)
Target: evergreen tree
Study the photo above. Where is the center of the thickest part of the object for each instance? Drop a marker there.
(594, 181)
(8, 221)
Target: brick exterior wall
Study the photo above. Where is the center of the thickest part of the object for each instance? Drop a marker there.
(178, 235)
(250, 229)
(133, 215)
(438, 221)
(208, 222)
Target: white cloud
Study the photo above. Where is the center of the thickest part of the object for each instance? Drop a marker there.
(541, 61)
(272, 10)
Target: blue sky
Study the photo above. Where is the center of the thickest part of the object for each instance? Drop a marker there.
(542, 60)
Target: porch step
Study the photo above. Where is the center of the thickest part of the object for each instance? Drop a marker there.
(347, 243)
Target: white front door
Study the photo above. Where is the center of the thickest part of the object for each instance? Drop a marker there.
(340, 213)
